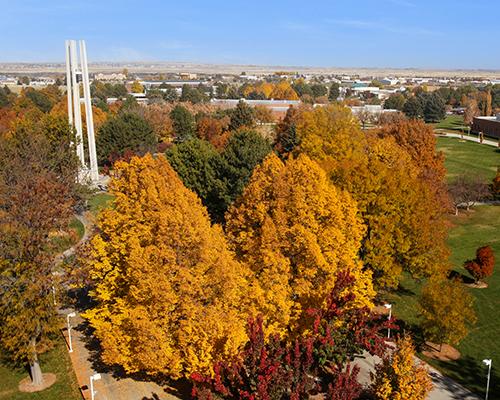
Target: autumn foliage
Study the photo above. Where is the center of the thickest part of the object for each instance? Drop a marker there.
(170, 297)
(482, 266)
(296, 231)
(275, 368)
(398, 377)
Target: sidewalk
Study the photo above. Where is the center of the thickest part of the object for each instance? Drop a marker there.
(444, 388)
(488, 142)
(109, 387)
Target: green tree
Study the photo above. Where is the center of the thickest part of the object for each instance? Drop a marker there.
(242, 115)
(413, 108)
(395, 102)
(434, 107)
(319, 90)
(243, 152)
(126, 132)
(334, 92)
(39, 99)
(192, 94)
(199, 165)
(183, 122)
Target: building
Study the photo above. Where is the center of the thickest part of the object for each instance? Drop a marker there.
(110, 77)
(490, 126)
(278, 107)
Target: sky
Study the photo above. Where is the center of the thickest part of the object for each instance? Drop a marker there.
(442, 34)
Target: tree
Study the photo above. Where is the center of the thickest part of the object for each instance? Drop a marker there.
(395, 102)
(39, 99)
(37, 195)
(319, 90)
(126, 132)
(419, 141)
(199, 166)
(137, 87)
(471, 111)
(169, 296)
(334, 92)
(242, 116)
(406, 231)
(484, 102)
(434, 107)
(467, 189)
(482, 266)
(183, 122)
(413, 108)
(397, 377)
(296, 231)
(214, 130)
(446, 311)
(286, 132)
(243, 152)
(495, 185)
(192, 94)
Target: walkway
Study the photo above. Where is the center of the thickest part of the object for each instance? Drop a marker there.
(488, 142)
(110, 386)
(444, 388)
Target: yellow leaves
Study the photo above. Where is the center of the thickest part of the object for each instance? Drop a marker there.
(165, 281)
(398, 377)
(296, 231)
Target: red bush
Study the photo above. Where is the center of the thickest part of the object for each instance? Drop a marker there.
(482, 266)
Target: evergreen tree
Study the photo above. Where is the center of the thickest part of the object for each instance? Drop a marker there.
(183, 122)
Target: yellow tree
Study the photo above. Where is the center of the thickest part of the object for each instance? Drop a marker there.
(398, 377)
(170, 296)
(137, 87)
(296, 231)
(446, 309)
(406, 230)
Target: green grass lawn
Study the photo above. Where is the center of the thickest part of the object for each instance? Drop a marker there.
(55, 361)
(99, 201)
(452, 123)
(469, 157)
(479, 227)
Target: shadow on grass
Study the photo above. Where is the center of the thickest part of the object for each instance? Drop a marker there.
(461, 277)
(470, 373)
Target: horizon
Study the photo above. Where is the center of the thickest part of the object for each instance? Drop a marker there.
(392, 34)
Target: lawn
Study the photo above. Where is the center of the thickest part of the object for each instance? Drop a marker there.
(469, 157)
(452, 123)
(56, 361)
(99, 201)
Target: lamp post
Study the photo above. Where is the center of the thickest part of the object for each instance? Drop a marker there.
(488, 363)
(93, 378)
(70, 315)
(389, 307)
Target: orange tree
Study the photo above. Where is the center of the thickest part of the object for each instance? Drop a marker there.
(405, 229)
(296, 231)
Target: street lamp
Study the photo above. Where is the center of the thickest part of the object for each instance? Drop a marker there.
(70, 315)
(93, 378)
(488, 363)
(389, 307)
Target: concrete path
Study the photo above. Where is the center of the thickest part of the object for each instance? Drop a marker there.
(466, 137)
(110, 386)
(444, 388)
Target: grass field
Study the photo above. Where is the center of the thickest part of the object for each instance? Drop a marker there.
(452, 123)
(469, 157)
(55, 361)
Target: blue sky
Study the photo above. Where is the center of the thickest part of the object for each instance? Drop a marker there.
(342, 33)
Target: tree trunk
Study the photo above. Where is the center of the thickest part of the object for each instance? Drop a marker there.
(440, 347)
(35, 370)
(456, 210)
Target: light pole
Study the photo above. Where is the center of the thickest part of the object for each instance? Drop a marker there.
(70, 315)
(389, 307)
(93, 378)
(488, 363)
